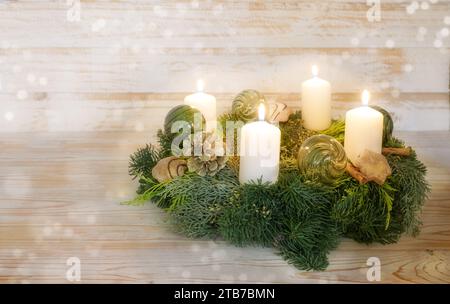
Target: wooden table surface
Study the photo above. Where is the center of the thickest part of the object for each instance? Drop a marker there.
(60, 195)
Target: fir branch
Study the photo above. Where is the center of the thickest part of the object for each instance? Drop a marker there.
(165, 142)
(409, 178)
(302, 220)
(197, 202)
(336, 130)
(142, 161)
(250, 216)
(364, 212)
(307, 233)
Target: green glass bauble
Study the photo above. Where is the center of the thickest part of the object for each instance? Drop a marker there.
(182, 113)
(322, 158)
(388, 123)
(245, 105)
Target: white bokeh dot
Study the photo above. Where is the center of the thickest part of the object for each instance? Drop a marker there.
(159, 11)
(410, 10)
(422, 30)
(437, 43)
(390, 43)
(444, 32)
(43, 81)
(447, 20)
(424, 5)
(31, 78)
(98, 25)
(9, 116)
(195, 4)
(408, 68)
(354, 41)
(22, 94)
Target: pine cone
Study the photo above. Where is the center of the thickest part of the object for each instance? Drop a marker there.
(209, 161)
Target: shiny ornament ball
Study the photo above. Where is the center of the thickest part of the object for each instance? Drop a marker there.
(322, 158)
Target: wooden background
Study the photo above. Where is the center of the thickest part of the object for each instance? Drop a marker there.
(76, 97)
(126, 62)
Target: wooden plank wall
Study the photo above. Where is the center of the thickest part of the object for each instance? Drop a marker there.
(126, 62)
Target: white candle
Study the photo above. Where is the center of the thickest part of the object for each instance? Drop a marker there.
(205, 103)
(316, 102)
(363, 130)
(259, 150)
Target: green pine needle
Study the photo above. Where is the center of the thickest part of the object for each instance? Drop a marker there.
(142, 161)
(304, 221)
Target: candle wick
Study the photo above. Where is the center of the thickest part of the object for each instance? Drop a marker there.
(315, 70)
(200, 85)
(261, 111)
(365, 98)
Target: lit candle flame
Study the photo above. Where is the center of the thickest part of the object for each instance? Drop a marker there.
(261, 111)
(365, 97)
(315, 70)
(200, 85)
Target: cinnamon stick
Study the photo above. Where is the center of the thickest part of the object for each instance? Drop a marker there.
(397, 151)
(356, 174)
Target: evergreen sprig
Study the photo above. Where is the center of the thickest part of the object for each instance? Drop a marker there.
(413, 189)
(304, 221)
(250, 216)
(142, 161)
(307, 231)
(165, 142)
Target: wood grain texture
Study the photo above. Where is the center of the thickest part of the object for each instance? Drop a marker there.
(155, 50)
(60, 195)
(240, 23)
(77, 97)
(55, 112)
